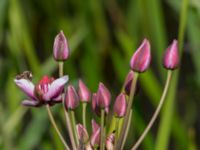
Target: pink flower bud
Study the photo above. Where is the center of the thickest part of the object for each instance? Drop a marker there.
(60, 47)
(141, 58)
(171, 56)
(71, 98)
(95, 126)
(103, 96)
(83, 92)
(95, 138)
(110, 142)
(120, 105)
(128, 82)
(88, 146)
(95, 106)
(82, 133)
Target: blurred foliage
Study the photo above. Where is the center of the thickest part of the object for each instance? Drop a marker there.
(102, 37)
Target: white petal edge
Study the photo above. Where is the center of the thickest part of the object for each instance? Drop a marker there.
(26, 86)
(55, 88)
(31, 103)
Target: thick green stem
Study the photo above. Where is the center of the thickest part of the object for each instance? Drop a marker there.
(102, 129)
(61, 70)
(84, 105)
(155, 115)
(126, 118)
(68, 122)
(55, 127)
(74, 126)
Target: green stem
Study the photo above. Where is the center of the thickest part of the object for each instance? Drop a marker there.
(74, 126)
(61, 70)
(163, 135)
(127, 131)
(126, 118)
(84, 105)
(55, 127)
(68, 122)
(102, 129)
(155, 115)
(117, 120)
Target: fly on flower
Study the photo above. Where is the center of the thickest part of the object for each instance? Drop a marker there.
(47, 91)
(25, 75)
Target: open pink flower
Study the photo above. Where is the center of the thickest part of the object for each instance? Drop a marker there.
(47, 91)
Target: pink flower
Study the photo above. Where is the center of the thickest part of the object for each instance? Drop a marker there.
(128, 82)
(110, 141)
(82, 133)
(120, 105)
(103, 96)
(171, 56)
(95, 106)
(95, 137)
(141, 58)
(71, 98)
(47, 91)
(83, 92)
(60, 47)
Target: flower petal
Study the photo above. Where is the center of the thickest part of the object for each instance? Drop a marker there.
(31, 103)
(55, 88)
(95, 138)
(57, 99)
(26, 86)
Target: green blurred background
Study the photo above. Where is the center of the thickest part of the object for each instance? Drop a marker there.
(102, 34)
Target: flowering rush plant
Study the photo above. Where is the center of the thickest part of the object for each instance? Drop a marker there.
(111, 135)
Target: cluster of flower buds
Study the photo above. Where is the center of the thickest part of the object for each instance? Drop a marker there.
(50, 91)
(94, 140)
(140, 60)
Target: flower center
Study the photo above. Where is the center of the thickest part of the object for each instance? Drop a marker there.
(43, 86)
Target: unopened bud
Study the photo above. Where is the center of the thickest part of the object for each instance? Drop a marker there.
(71, 98)
(60, 47)
(141, 58)
(171, 56)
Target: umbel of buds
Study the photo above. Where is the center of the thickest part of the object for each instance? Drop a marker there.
(71, 98)
(171, 56)
(83, 92)
(50, 91)
(60, 47)
(141, 58)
